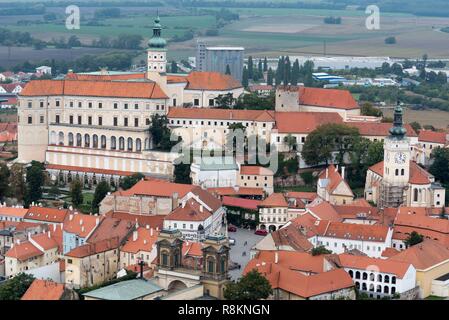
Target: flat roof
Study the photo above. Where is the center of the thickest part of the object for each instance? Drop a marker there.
(125, 290)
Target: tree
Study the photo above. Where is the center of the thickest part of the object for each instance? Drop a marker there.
(250, 67)
(15, 288)
(295, 73)
(182, 173)
(101, 191)
(270, 77)
(265, 64)
(225, 101)
(228, 70)
(440, 166)
(245, 77)
(129, 181)
(413, 238)
(367, 109)
(160, 133)
(73, 42)
(54, 191)
(290, 141)
(4, 178)
(364, 154)
(327, 142)
(252, 286)
(17, 182)
(260, 67)
(390, 40)
(416, 126)
(76, 193)
(34, 182)
(320, 250)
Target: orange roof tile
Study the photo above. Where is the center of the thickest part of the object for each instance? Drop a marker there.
(191, 211)
(432, 136)
(389, 252)
(417, 174)
(221, 114)
(357, 212)
(334, 178)
(241, 203)
(13, 212)
(294, 260)
(354, 231)
(112, 228)
(240, 191)
(430, 228)
(44, 290)
(45, 240)
(274, 200)
(105, 77)
(158, 188)
(46, 214)
(23, 251)
(153, 221)
(120, 89)
(397, 268)
(94, 248)
(424, 255)
(329, 98)
(304, 122)
(144, 241)
(211, 81)
(81, 224)
(176, 78)
(378, 129)
(192, 249)
(255, 170)
(292, 236)
(324, 211)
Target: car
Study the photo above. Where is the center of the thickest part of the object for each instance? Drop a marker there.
(261, 232)
(232, 228)
(231, 241)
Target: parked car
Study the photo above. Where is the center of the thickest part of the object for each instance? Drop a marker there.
(231, 241)
(261, 232)
(232, 228)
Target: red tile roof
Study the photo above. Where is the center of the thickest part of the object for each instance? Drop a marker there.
(158, 188)
(211, 81)
(304, 122)
(154, 221)
(94, 248)
(274, 200)
(431, 228)
(44, 290)
(13, 212)
(432, 136)
(297, 261)
(105, 77)
(45, 240)
(191, 211)
(334, 178)
(397, 268)
(255, 170)
(221, 114)
(120, 89)
(23, 251)
(50, 215)
(424, 255)
(241, 203)
(112, 228)
(329, 98)
(81, 224)
(357, 212)
(145, 240)
(240, 191)
(192, 249)
(378, 129)
(417, 174)
(291, 236)
(354, 231)
(324, 211)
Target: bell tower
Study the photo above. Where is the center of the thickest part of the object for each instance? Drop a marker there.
(215, 265)
(157, 54)
(397, 155)
(169, 249)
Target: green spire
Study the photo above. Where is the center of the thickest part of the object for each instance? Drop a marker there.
(398, 131)
(157, 41)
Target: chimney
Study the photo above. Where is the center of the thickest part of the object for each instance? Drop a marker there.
(82, 229)
(147, 226)
(276, 257)
(145, 241)
(97, 221)
(70, 217)
(49, 235)
(54, 227)
(336, 168)
(135, 235)
(327, 173)
(151, 232)
(201, 208)
(343, 172)
(175, 200)
(81, 222)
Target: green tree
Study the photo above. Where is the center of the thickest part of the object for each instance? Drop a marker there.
(320, 250)
(252, 286)
(416, 126)
(295, 73)
(15, 288)
(290, 141)
(54, 191)
(367, 109)
(160, 133)
(364, 153)
(76, 193)
(327, 142)
(270, 76)
(34, 182)
(260, 67)
(245, 77)
(228, 70)
(225, 101)
(440, 166)
(129, 181)
(413, 238)
(182, 173)
(265, 64)
(4, 179)
(390, 40)
(250, 67)
(101, 191)
(17, 181)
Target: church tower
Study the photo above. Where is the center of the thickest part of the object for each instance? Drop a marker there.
(396, 171)
(157, 55)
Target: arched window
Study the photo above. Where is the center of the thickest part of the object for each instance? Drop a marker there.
(379, 278)
(393, 290)
(70, 139)
(79, 139)
(351, 273)
(371, 276)
(164, 259)
(365, 276)
(357, 285)
(130, 144)
(103, 142)
(386, 289)
(210, 265)
(147, 144)
(121, 143)
(379, 289)
(415, 194)
(387, 279)
(357, 274)
(223, 265)
(52, 137)
(61, 138)
(86, 141)
(364, 286)
(138, 144)
(371, 287)
(396, 172)
(94, 141)
(113, 143)
(402, 172)
(393, 280)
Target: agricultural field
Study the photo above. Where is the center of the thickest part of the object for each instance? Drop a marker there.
(437, 118)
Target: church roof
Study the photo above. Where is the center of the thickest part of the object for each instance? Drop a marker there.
(417, 174)
(328, 98)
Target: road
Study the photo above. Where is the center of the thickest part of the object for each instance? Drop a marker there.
(240, 237)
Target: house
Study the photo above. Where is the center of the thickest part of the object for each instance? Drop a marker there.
(241, 211)
(11, 231)
(214, 172)
(109, 228)
(288, 283)
(16, 214)
(135, 289)
(48, 290)
(140, 246)
(431, 261)
(429, 140)
(238, 192)
(45, 215)
(379, 278)
(263, 90)
(92, 263)
(42, 70)
(77, 228)
(256, 177)
(332, 186)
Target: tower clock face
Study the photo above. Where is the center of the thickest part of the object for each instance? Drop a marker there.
(400, 158)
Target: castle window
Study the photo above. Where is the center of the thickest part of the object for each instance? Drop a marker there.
(79, 119)
(100, 121)
(164, 259)
(210, 265)
(80, 104)
(196, 102)
(89, 120)
(90, 105)
(174, 102)
(136, 122)
(57, 103)
(136, 106)
(100, 105)
(57, 118)
(115, 121)
(71, 119)
(71, 104)
(396, 172)
(415, 194)
(147, 121)
(41, 119)
(125, 122)
(211, 102)
(402, 172)
(113, 143)
(121, 143)
(125, 106)
(42, 104)
(115, 105)
(30, 104)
